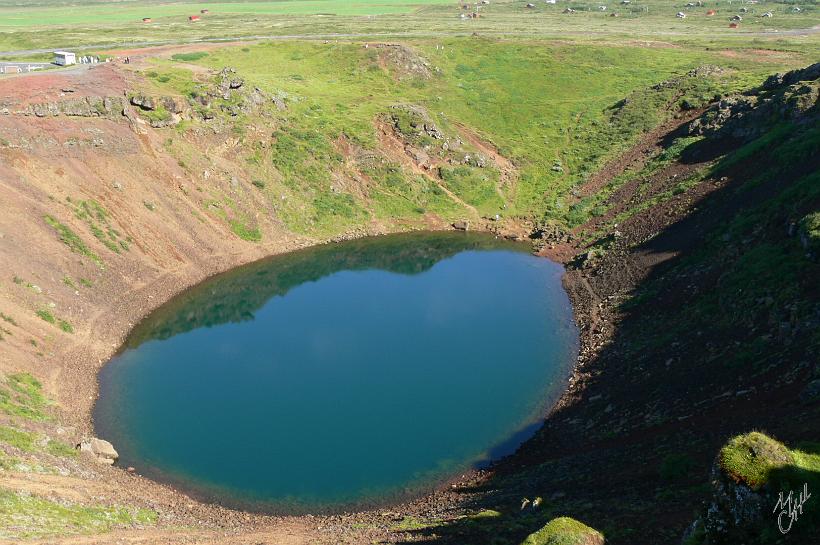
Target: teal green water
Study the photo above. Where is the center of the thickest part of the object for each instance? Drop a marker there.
(348, 374)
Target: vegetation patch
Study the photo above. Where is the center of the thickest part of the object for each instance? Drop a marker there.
(189, 57)
(750, 458)
(565, 531)
(21, 395)
(245, 232)
(72, 240)
(23, 516)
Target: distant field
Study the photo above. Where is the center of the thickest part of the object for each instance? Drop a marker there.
(50, 24)
(124, 12)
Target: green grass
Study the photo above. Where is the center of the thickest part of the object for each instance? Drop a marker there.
(21, 395)
(46, 316)
(538, 102)
(23, 516)
(65, 326)
(47, 23)
(188, 57)
(245, 232)
(71, 239)
(60, 449)
(25, 441)
(564, 531)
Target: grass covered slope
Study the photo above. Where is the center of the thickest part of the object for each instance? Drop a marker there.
(759, 494)
(510, 128)
(26, 449)
(698, 304)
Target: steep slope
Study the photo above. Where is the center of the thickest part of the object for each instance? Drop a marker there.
(695, 287)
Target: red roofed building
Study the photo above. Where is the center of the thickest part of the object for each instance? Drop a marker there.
(193, 18)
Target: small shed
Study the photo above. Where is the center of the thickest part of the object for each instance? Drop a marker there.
(203, 11)
(147, 20)
(711, 12)
(193, 18)
(64, 58)
(732, 25)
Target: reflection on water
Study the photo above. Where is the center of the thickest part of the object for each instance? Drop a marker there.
(344, 374)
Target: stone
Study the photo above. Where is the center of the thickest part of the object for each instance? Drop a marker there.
(462, 225)
(101, 449)
(143, 102)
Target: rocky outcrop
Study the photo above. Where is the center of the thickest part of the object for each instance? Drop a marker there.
(792, 96)
(92, 106)
(744, 491)
(102, 450)
(403, 62)
(424, 140)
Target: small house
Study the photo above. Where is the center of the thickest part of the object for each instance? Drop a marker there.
(711, 12)
(732, 25)
(193, 18)
(147, 20)
(64, 58)
(681, 15)
(203, 11)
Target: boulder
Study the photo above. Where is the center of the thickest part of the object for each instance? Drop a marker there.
(101, 449)
(143, 102)
(462, 225)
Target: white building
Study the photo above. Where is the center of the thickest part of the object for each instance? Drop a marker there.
(64, 58)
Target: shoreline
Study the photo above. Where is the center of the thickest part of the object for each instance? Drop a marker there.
(409, 503)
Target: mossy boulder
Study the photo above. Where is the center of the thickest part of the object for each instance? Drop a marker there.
(810, 234)
(565, 531)
(748, 459)
(751, 472)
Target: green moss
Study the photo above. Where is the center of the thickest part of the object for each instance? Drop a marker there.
(25, 516)
(751, 457)
(565, 531)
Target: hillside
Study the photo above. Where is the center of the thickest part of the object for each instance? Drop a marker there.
(676, 201)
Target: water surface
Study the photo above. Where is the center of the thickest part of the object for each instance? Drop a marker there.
(342, 375)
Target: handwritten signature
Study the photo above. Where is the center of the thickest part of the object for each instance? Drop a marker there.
(791, 507)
